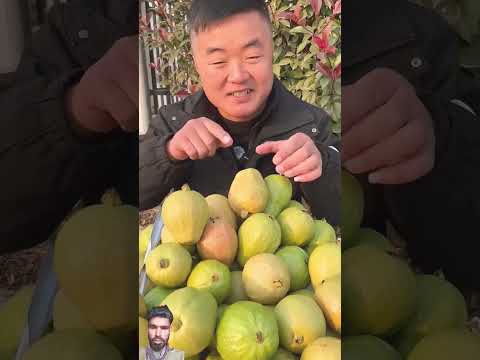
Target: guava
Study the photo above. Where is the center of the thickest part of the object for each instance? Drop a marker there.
(248, 193)
(297, 262)
(155, 296)
(324, 348)
(324, 232)
(297, 226)
(168, 265)
(258, 234)
(280, 194)
(378, 292)
(185, 214)
(237, 290)
(450, 344)
(213, 276)
(324, 262)
(72, 344)
(352, 208)
(93, 250)
(219, 241)
(220, 208)
(266, 278)
(247, 331)
(300, 322)
(367, 347)
(194, 317)
(13, 318)
(440, 306)
(328, 295)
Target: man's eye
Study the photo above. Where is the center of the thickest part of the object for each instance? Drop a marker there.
(218, 62)
(253, 57)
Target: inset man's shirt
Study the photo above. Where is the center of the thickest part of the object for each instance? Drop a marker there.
(171, 354)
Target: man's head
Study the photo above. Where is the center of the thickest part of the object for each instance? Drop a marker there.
(233, 53)
(159, 320)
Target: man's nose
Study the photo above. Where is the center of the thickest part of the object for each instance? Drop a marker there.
(237, 73)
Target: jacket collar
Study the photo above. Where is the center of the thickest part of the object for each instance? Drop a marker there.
(283, 112)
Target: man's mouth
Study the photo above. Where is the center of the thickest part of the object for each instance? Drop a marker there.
(241, 93)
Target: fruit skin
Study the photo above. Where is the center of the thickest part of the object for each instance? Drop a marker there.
(328, 295)
(144, 238)
(324, 262)
(167, 237)
(211, 275)
(280, 194)
(367, 236)
(297, 226)
(266, 278)
(440, 306)
(450, 344)
(185, 213)
(367, 347)
(248, 193)
(72, 344)
(219, 207)
(13, 317)
(168, 265)
(297, 262)
(324, 348)
(247, 330)
(296, 204)
(155, 296)
(324, 232)
(352, 208)
(300, 322)
(283, 354)
(66, 315)
(237, 290)
(219, 241)
(378, 292)
(92, 252)
(260, 233)
(194, 317)
(305, 292)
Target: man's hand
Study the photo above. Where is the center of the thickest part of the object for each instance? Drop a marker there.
(297, 157)
(198, 139)
(107, 95)
(386, 130)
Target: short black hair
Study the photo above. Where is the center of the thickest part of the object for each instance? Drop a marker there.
(205, 12)
(160, 311)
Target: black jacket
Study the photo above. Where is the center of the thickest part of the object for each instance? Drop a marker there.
(283, 116)
(437, 214)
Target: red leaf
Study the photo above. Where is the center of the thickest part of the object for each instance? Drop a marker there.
(338, 7)
(298, 11)
(316, 6)
(284, 15)
(182, 93)
(337, 72)
(325, 70)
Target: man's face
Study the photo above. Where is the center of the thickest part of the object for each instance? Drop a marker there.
(158, 332)
(234, 60)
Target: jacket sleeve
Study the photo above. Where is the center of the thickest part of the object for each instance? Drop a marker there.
(45, 168)
(323, 194)
(157, 173)
(438, 213)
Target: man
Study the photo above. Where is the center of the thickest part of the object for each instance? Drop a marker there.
(159, 322)
(69, 118)
(410, 127)
(242, 118)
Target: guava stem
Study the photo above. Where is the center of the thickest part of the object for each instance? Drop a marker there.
(164, 263)
(215, 277)
(259, 337)
(278, 283)
(299, 340)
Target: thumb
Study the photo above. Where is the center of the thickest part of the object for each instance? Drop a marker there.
(269, 147)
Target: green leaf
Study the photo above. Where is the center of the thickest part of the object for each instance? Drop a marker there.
(299, 30)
